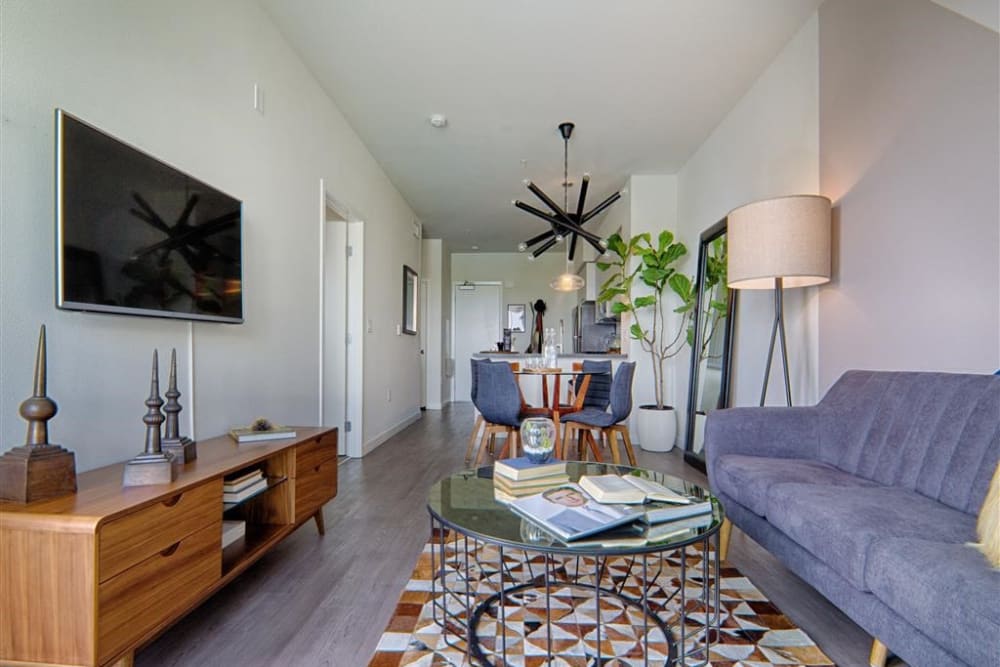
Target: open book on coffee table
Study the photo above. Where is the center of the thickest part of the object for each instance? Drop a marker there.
(629, 489)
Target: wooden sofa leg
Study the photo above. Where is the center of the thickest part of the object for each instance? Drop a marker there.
(879, 654)
(724, 532)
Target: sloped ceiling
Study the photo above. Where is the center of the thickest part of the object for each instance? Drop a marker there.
(645, 81)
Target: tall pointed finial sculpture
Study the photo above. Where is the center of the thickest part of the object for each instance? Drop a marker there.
(152, 466)
(37, 470)
(184, 449)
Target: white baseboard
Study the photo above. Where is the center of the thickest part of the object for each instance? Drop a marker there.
(369, 446)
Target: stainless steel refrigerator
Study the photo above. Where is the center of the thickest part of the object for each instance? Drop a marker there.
(589, 334)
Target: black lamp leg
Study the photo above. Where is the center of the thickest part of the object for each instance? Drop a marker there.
(777, 330)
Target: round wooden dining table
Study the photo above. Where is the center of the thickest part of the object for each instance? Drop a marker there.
(551, 406)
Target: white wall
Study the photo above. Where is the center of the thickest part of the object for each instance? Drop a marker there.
(653, 208)
(524, 282)
(432, 261)
(176, 80)
(910, 102)
(767, 146)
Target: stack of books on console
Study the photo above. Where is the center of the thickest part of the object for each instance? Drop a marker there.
(240, 488)
(516, 478)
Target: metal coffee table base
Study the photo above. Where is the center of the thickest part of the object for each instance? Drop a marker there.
(495, 602)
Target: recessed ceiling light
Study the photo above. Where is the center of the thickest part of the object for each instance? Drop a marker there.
(438, 120)
(475, 247)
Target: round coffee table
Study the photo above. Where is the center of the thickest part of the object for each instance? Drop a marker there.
(503, 587)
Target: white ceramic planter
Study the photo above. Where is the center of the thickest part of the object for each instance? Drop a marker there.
(657, 428)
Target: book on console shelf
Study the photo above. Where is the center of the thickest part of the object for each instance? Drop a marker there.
(520, 468)
(245, 492)
(243, 481)
(249, 434)
(629, 489)
(232, 530)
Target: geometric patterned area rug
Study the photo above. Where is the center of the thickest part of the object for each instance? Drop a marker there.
(753, 632)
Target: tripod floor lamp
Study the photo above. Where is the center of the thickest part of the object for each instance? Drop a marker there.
(776, 244)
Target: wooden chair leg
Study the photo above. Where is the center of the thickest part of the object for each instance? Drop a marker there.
(629, 452)
(724, 532)
(472, 438)
(879, 654)
(580, 451)
(485, 444)
(612, 438)
(593, 446)
(507, 443)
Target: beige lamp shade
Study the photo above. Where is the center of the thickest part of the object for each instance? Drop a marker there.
(787, 238)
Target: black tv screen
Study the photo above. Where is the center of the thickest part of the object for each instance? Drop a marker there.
(136, 236)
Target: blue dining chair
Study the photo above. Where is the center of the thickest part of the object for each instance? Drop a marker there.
(497, 396)
(612, 425)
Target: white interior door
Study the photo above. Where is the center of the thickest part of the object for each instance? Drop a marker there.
(476, 328)
(422, 324)
(335, 286)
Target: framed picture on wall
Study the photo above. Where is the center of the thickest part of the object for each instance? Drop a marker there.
(409, 301)
(515, 317)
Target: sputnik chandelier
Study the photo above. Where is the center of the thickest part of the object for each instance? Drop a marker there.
(562, 223)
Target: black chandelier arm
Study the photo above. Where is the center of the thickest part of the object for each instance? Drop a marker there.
(561, 214)
(558, 226)
(597, 246)
(600, 207)
(572, 246)
(583, 197)
(574, 228)
(542, 248)
(538, 239)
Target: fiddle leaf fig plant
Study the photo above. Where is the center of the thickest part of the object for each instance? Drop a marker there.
(655, 270)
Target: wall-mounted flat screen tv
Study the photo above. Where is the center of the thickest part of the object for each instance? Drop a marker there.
(136, 236)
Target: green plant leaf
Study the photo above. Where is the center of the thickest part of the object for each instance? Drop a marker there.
(618, 308)
(644, 301)
(636, 331)
(681, 285)
(652, 277)
(603, 266)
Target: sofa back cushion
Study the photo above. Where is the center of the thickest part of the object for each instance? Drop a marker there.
(935, 433)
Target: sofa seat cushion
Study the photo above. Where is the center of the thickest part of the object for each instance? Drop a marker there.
(838, 524)
(746, 479)
(945, 590)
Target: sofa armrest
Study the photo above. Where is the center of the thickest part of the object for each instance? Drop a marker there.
(775, 432)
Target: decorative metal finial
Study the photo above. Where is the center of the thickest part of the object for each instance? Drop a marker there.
(152, 466)
(39, 409)
(154, 417)
(37, 470)
(183, 448)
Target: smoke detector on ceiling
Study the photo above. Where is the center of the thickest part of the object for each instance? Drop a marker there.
(438, 120)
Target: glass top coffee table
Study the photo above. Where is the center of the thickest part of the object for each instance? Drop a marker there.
(505, 591)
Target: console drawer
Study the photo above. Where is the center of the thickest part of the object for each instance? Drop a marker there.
(159, 588)
(314, 487)
(130, 539)
(310, 454)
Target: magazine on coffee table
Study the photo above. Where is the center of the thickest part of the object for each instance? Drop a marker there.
(568, 512)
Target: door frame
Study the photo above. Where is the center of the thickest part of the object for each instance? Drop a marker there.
(454, 298)
(349, 442)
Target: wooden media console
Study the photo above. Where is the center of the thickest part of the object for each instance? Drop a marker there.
(87, 578)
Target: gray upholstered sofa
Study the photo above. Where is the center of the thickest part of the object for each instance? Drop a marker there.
(871, 496)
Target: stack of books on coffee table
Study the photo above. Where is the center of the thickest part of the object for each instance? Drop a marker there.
(516, 478)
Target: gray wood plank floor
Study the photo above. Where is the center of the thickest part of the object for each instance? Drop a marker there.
(324, 601)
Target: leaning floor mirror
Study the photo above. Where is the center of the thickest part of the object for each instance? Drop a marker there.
(711, 338)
